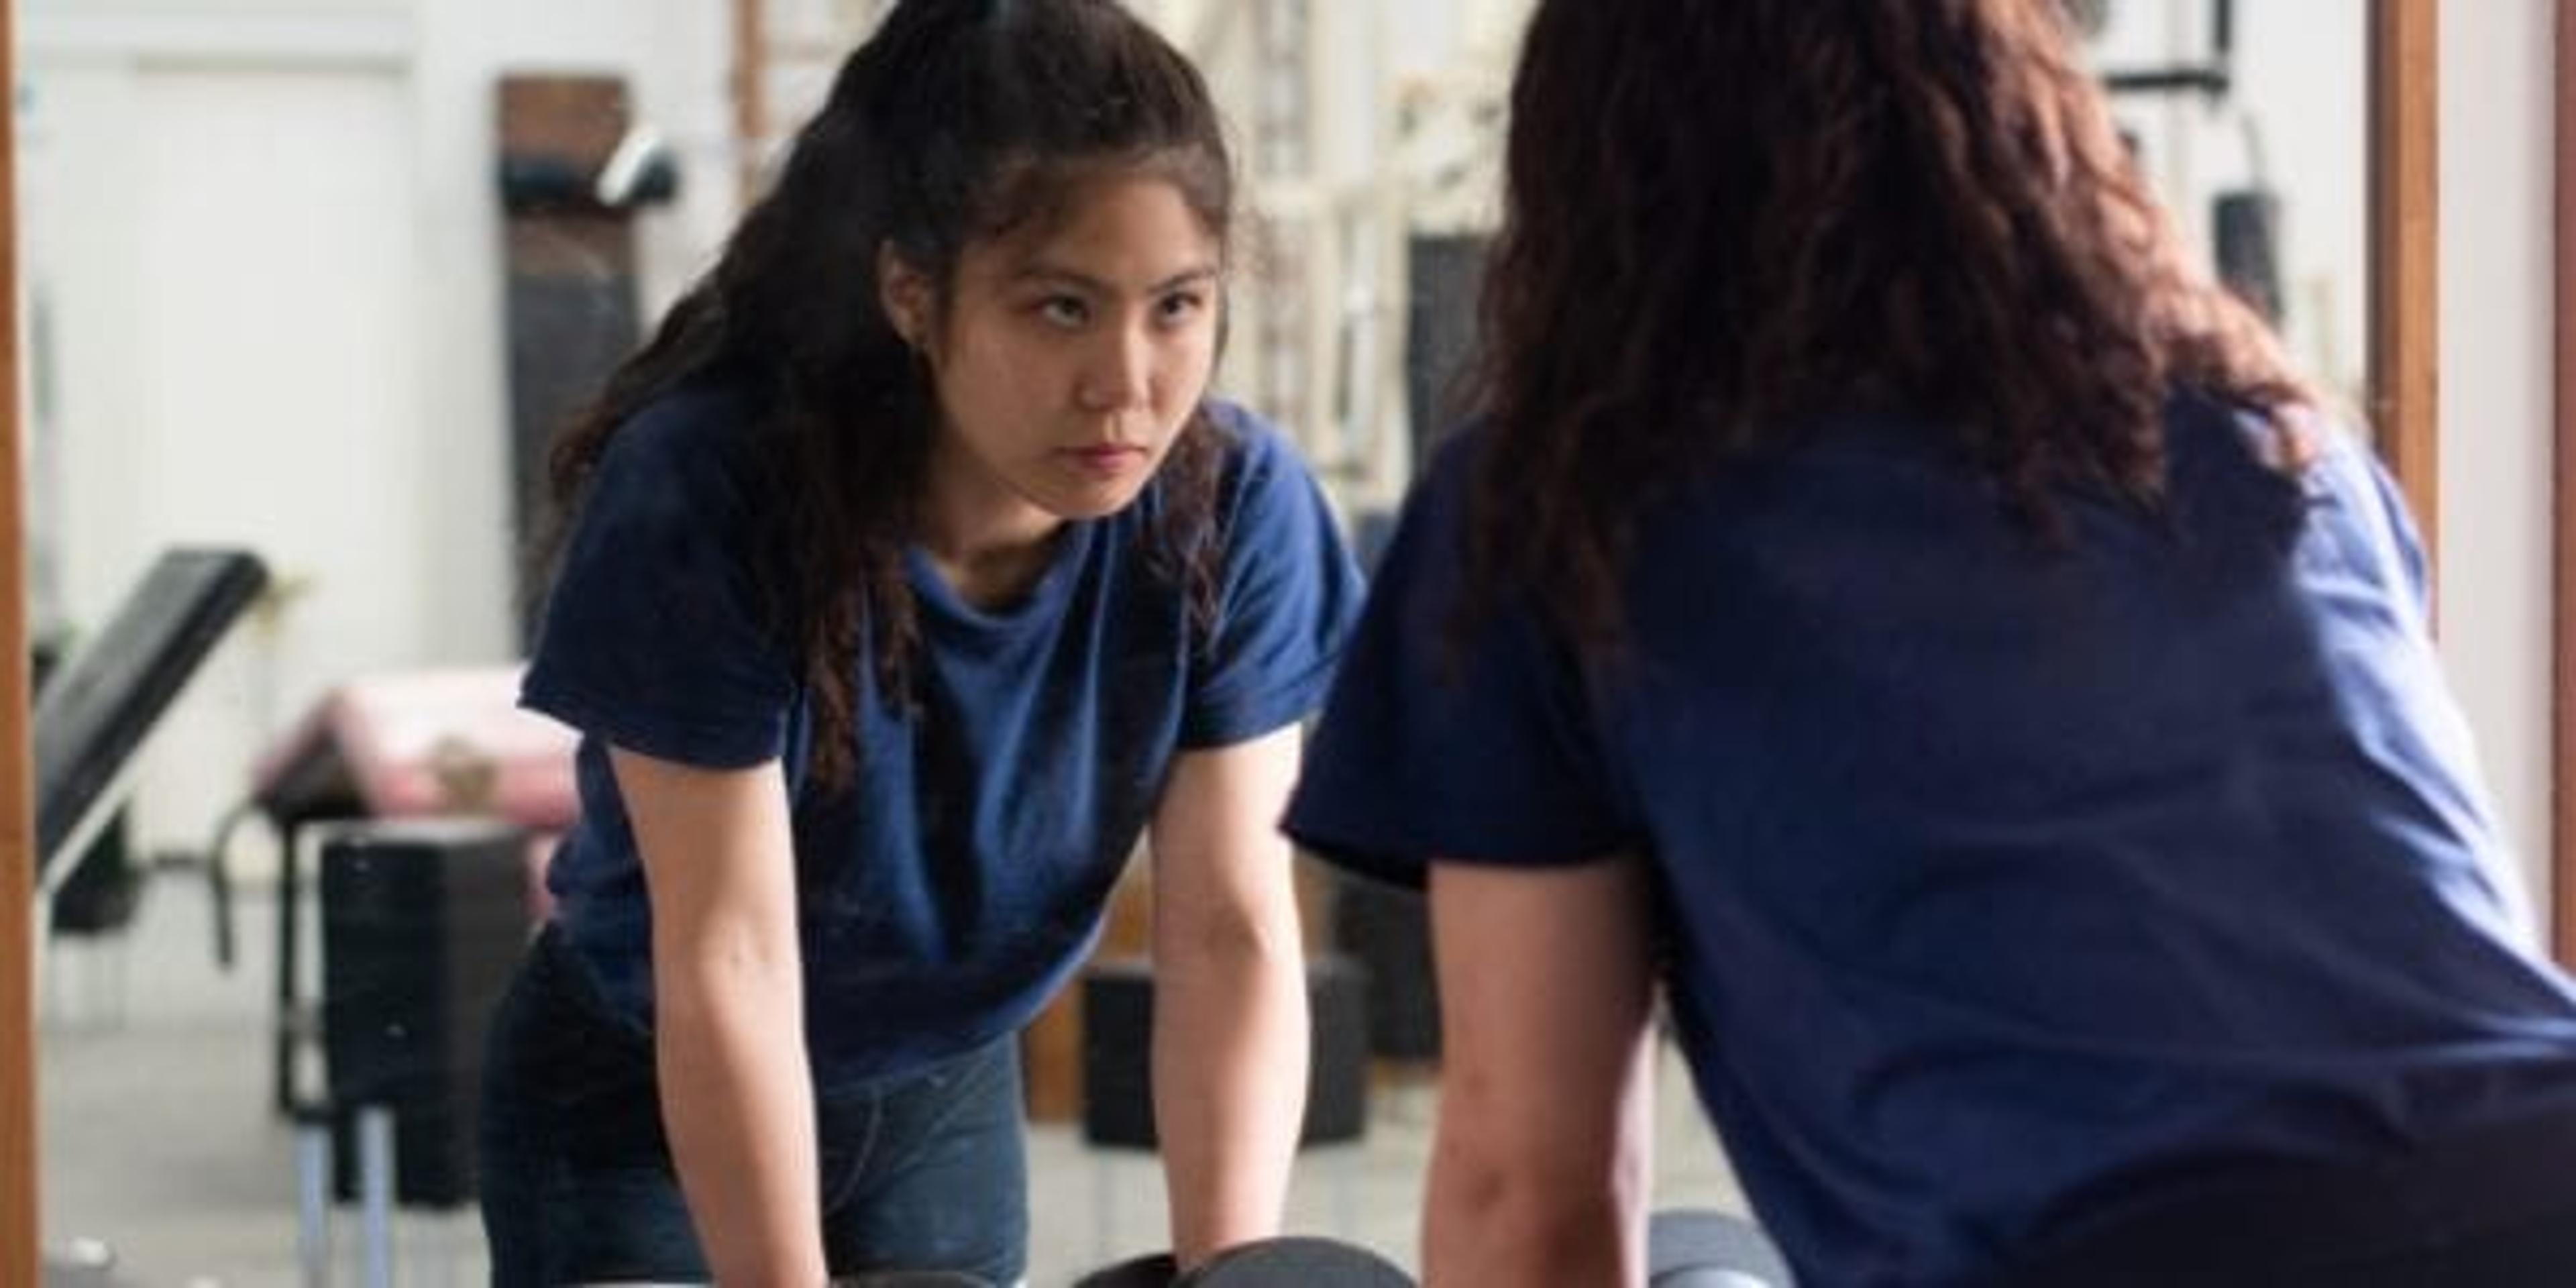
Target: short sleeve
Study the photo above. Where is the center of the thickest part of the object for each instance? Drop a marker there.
(1288, 594)
(652, 638)
(1484, 751)
(2406, 545)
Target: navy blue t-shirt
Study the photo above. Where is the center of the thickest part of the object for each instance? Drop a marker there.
(1998, 878)
(945, 897)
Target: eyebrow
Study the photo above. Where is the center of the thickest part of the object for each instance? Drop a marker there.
(1051, 273)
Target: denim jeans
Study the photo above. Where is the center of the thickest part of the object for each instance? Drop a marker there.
(924, 1172)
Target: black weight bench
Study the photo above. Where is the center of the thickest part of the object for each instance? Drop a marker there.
(100, 705)
(104, 700)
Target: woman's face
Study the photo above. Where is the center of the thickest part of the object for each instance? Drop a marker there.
(1068, 358)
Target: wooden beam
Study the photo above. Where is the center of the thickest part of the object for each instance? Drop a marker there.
(18, 1154)
(2405, 205)
(750, 92)
(2562, 505)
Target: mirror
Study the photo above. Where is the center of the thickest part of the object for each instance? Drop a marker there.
(275, 299)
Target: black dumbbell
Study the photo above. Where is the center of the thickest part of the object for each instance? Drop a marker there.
(1155, 1270)
(1693, 1248)
(1295, 1261)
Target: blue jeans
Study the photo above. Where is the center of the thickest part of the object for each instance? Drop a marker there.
(924, 1172)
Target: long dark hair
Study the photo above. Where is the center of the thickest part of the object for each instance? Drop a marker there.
(958, 121)
(1721, 218)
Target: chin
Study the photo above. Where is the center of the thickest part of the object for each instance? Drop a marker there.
(1090, 504)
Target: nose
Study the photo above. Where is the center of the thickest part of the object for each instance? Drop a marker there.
(1119, 373)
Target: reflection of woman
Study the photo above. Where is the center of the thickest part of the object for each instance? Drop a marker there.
(911, 579)
(1891, 594)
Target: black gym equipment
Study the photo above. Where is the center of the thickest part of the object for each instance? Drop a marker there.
(576, 166)
(96, 709)
(1296, 1261)
(1290, 1261)
(1685, 1248)
(108, 696)
(423, 925)
(1700, 1248)
(1153, 1270)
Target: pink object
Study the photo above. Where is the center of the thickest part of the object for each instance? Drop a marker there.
(425, 743)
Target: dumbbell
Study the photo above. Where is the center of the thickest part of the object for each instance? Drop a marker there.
(1685, 1248)
(1294, 1261)
(865, 1279)
(1696, 1248)
(1153, 1270)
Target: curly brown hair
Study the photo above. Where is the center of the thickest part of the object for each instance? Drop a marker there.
(1723, 219)
(957, 122)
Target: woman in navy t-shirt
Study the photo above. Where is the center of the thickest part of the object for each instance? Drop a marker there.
(1894, 602)
(911, 578)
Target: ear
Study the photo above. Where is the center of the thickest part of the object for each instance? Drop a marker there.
(904, 294)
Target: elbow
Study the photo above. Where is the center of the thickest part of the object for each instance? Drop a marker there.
(1551, 1204)
(1515, 1226)
(1234, 939)
(1549, 1211)
(709, 979)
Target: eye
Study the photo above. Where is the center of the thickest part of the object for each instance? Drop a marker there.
(1180, 306)
(1064, 310)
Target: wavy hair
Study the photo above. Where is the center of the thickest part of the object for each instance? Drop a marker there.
(957, 122)
(1722, 219)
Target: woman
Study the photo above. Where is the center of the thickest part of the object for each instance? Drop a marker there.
(1894, 602)
(912, 576)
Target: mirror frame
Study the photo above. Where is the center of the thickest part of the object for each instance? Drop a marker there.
(2562, 706)
(2403, 323)
(2404, 250)
(19, 1231)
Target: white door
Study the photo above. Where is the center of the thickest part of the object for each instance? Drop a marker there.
(234, 301)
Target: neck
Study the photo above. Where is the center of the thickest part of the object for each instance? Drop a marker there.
(987, 542)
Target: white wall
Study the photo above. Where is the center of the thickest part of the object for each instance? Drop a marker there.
(2497, 252)
(234, 359)
(2301, 84)
(264, 235)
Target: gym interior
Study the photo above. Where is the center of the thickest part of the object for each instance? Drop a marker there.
(303, 285)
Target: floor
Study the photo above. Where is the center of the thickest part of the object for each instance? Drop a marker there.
(159, 1150)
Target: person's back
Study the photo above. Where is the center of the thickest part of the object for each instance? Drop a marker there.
(1895, 602)
(2016, 888)
(2003, 874)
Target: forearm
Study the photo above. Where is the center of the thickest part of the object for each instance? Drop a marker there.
(1230, 1060)
(738, 1104)
(1540, 1165)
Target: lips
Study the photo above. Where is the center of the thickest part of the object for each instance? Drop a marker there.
(1105, 460)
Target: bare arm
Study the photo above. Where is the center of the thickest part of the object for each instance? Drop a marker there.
(737, 1096)
(1230, 1029)
(1539, 1168)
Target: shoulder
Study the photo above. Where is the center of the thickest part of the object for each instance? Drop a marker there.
(689, 455)
(1435, 513)
(1262, 479)
(1255, 448)
(695, 426)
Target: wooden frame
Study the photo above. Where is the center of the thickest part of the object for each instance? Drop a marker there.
(19, 1263)
(2405, 205)
(750, 92)
(2562, 706)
